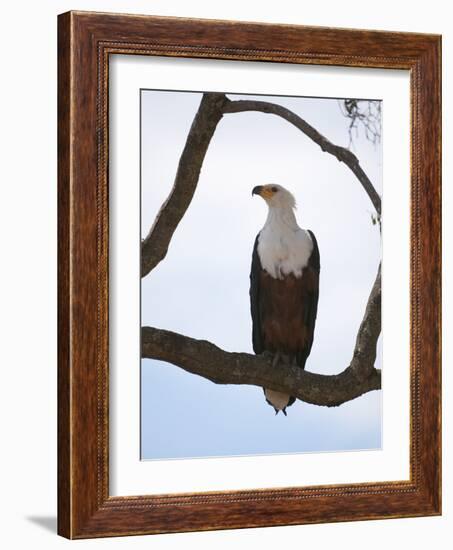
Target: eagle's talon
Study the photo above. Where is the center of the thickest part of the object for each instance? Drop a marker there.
(268, 356)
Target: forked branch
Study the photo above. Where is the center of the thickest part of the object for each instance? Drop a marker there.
(204, 358)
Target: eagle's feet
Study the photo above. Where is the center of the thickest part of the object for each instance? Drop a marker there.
(276, 357)
(271, 357)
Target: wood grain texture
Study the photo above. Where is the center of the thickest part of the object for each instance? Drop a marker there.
(64, 369)
(85, 42)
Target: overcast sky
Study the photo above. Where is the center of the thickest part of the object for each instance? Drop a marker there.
(201, 288)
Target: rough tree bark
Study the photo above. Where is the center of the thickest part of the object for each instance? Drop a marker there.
(155, 246)
(204, 358)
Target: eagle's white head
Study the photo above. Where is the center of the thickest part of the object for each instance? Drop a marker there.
(283, 247)
(275, 196)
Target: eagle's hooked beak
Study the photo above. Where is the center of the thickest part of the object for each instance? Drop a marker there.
(257, 190)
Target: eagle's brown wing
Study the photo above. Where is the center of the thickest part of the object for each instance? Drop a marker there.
(284, 310)
(256, 269)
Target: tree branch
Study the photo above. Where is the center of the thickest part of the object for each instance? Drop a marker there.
(341, 153)
(155, 245)
(365, 350)
(222, 367)
(204, 358)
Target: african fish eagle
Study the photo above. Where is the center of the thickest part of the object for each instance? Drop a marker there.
(284, 287)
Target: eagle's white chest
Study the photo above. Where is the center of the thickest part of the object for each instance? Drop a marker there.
(283, 247)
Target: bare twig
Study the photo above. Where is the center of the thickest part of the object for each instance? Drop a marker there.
(363, 113)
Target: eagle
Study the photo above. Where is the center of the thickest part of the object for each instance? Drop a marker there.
(284, 287)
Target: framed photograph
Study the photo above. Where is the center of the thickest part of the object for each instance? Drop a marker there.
(249, 275)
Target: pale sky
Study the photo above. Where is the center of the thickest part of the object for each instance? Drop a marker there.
(201, 288)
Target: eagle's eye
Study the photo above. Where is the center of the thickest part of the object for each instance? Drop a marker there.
(274, 189)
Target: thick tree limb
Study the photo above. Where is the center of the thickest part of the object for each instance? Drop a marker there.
(222, 367)
(341, 153)
(155, 246)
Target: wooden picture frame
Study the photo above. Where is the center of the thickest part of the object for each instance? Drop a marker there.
(85, 42)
